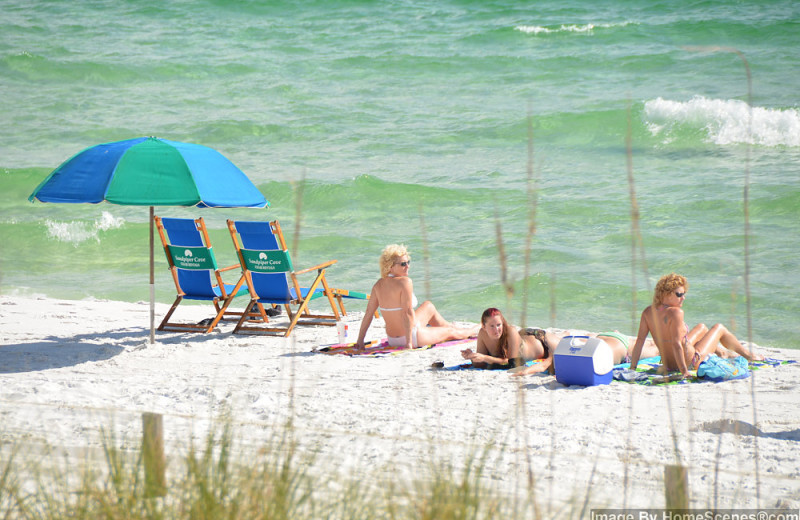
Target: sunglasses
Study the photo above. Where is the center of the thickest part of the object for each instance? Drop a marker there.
(680, 294)
(404, 264)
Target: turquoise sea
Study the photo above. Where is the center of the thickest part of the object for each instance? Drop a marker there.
(367, 123)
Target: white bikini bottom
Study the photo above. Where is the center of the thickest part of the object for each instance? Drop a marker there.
(400, 341)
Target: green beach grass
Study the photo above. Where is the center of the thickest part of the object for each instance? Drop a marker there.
(219, 479)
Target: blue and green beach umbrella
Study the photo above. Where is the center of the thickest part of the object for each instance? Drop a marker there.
(149, 171)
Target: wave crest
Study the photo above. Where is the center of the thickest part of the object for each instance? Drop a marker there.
(584, 28)
(76, 232)
(725, 121)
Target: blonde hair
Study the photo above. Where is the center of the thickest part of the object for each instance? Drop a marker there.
(389, 255)
(667, 284)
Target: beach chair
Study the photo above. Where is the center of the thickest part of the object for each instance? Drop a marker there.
(196, 274)
(271, 279)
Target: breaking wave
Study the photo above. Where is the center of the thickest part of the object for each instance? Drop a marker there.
(724, 121)
(566, 28)
(76, 232)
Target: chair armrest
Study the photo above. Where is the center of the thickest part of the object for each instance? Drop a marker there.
(316, 267)
(230, 267)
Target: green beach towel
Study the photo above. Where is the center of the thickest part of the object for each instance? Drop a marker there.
(713, 369)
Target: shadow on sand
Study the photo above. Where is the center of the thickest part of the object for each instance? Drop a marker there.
(58, 352)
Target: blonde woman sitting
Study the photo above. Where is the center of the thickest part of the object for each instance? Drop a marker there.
(407, 324)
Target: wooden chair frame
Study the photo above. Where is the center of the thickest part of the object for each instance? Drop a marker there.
(299, 316)
(220, 303)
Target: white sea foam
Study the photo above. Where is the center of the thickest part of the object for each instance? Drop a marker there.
(585, 28)
(108, 221)
(533, 29)
(726, 121)
(76, 232)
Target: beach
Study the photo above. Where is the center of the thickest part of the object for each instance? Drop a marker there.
(73, 369)
(552, 160)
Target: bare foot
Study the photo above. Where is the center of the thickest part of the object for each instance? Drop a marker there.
(752, 356)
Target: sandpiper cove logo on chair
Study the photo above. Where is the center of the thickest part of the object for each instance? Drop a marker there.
(188, 260)
(267, 261)
(192, 258)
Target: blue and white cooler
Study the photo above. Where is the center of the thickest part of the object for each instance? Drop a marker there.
(581, 360)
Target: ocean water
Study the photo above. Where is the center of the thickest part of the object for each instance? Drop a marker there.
(427, 123)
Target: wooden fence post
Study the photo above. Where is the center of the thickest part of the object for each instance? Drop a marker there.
(153, 454)
(676, 486)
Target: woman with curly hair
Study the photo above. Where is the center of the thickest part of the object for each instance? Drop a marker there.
(408, 324)
(681, 348)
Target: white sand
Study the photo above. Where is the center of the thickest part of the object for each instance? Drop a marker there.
(70, 368)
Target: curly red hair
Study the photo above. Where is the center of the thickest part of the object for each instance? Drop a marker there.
(667, 284)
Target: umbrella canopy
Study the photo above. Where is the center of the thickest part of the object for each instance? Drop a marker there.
(149, 171)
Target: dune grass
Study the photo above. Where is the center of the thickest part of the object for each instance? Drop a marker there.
(219, 479)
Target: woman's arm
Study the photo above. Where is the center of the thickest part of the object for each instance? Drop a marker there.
(409, 318)
(641, 336)
(372, 306)
(514, 351)
(482, 357)
(537, 368)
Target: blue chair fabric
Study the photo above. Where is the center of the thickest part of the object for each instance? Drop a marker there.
(196, 273)
(281, 286)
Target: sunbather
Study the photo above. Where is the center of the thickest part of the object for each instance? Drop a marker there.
(680, 348)
(500, 344)
(407, 325)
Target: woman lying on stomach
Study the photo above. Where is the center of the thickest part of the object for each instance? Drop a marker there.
(500, 344)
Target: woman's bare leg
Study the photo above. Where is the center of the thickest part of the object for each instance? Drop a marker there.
(431, 335)
(708, 343)
(438, 329)
(618, 350)
(697, 333)
(649, 349)
(730, 342)
(694, 352)
(428, 315)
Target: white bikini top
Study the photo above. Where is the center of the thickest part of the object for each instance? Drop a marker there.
(414, 303)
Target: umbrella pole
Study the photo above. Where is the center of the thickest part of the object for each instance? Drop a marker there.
(152, 283)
